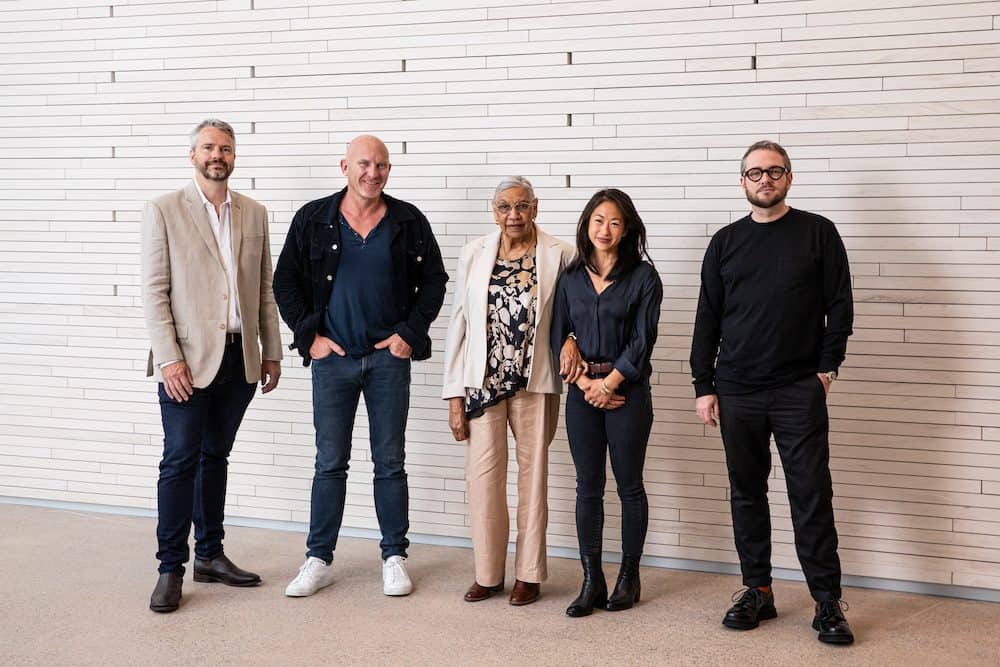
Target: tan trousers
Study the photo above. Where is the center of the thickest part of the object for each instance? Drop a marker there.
(532, 418)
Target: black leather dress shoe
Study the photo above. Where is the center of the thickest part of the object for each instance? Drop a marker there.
(752, 606)
(166, 596)
(221, 569)
(831, 623)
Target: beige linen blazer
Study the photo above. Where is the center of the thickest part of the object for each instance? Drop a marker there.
(184, 285)
(465, 345)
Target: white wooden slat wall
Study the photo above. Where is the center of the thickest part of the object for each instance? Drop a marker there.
(891, 115)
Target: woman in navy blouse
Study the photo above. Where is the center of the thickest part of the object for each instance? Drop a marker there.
(609, 301)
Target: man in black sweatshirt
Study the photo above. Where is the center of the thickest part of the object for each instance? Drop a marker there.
(771, 329)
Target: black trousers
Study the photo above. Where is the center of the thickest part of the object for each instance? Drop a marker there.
(796, 414)
(592, 434)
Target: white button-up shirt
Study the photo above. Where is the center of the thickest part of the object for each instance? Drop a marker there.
(222, 227)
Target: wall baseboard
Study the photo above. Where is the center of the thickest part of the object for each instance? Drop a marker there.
(903, 586)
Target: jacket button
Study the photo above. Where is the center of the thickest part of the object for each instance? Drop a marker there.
(334, 246)
(329, 277)
(222, 327)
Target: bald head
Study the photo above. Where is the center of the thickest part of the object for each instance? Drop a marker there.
(366, 144)
(366, 166)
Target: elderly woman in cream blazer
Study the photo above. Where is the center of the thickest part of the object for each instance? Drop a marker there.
(500, 371)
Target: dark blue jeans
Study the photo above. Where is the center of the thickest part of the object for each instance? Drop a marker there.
(623, 432)
(338, 383)
(197, 438)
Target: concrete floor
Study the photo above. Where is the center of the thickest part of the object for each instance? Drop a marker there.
(75, 589)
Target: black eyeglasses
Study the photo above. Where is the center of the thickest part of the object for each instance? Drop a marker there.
(774, 173)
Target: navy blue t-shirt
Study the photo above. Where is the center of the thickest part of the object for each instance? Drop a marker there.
(362, 310)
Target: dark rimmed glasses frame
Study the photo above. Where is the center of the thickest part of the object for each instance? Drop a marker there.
(774, 173)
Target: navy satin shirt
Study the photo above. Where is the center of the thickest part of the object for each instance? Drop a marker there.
(617, 325)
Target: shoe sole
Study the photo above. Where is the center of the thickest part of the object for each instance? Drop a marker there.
(307, 593)
(582, 613)
(164, 609)
(521, 603)
(765, 614)
(622, 606)
(480, 599)
(841, 640)
(211, 579)
(397, 595)
(836, 640)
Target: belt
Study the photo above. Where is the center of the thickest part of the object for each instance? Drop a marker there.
(233, 338)
(601, 368)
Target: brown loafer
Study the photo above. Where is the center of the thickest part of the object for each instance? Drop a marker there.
(524, 593)
(477, 593)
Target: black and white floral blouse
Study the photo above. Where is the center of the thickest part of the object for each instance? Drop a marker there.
(510, 336)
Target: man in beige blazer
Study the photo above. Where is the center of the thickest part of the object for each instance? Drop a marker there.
(206, 286)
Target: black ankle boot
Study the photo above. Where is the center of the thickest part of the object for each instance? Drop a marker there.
(594, 591)
(627, 588)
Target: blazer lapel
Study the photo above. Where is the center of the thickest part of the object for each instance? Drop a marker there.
(199, 218)
(236, 222)
(481, 270)
(548, 256)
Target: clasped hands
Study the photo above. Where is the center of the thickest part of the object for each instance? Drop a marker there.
(572, 369)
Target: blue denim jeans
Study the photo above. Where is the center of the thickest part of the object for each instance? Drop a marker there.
(198, 435)
(338, 383)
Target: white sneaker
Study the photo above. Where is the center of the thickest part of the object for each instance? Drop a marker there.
(313, 575)
(395, 580)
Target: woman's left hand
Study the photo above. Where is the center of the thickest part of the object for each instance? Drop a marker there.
(570, 362)
(593, 394)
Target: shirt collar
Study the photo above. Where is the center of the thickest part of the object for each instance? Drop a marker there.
(204, 199)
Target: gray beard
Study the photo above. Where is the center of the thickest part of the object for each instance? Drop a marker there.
(215, 177)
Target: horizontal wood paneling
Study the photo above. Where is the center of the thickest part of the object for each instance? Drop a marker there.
(890, 115)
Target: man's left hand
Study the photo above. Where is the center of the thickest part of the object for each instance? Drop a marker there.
(270, 371)
(826, 382)
(398, 347)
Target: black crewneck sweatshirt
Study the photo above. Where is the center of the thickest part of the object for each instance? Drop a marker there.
(775, 304)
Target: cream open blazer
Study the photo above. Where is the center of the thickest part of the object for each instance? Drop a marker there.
(184, 284)
(465, 346)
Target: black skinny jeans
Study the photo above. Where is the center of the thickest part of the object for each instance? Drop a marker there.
(624, 432)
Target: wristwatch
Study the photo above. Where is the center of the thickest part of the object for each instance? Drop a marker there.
(830, 376)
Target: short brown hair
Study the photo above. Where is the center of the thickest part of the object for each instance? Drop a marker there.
(766, 145)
